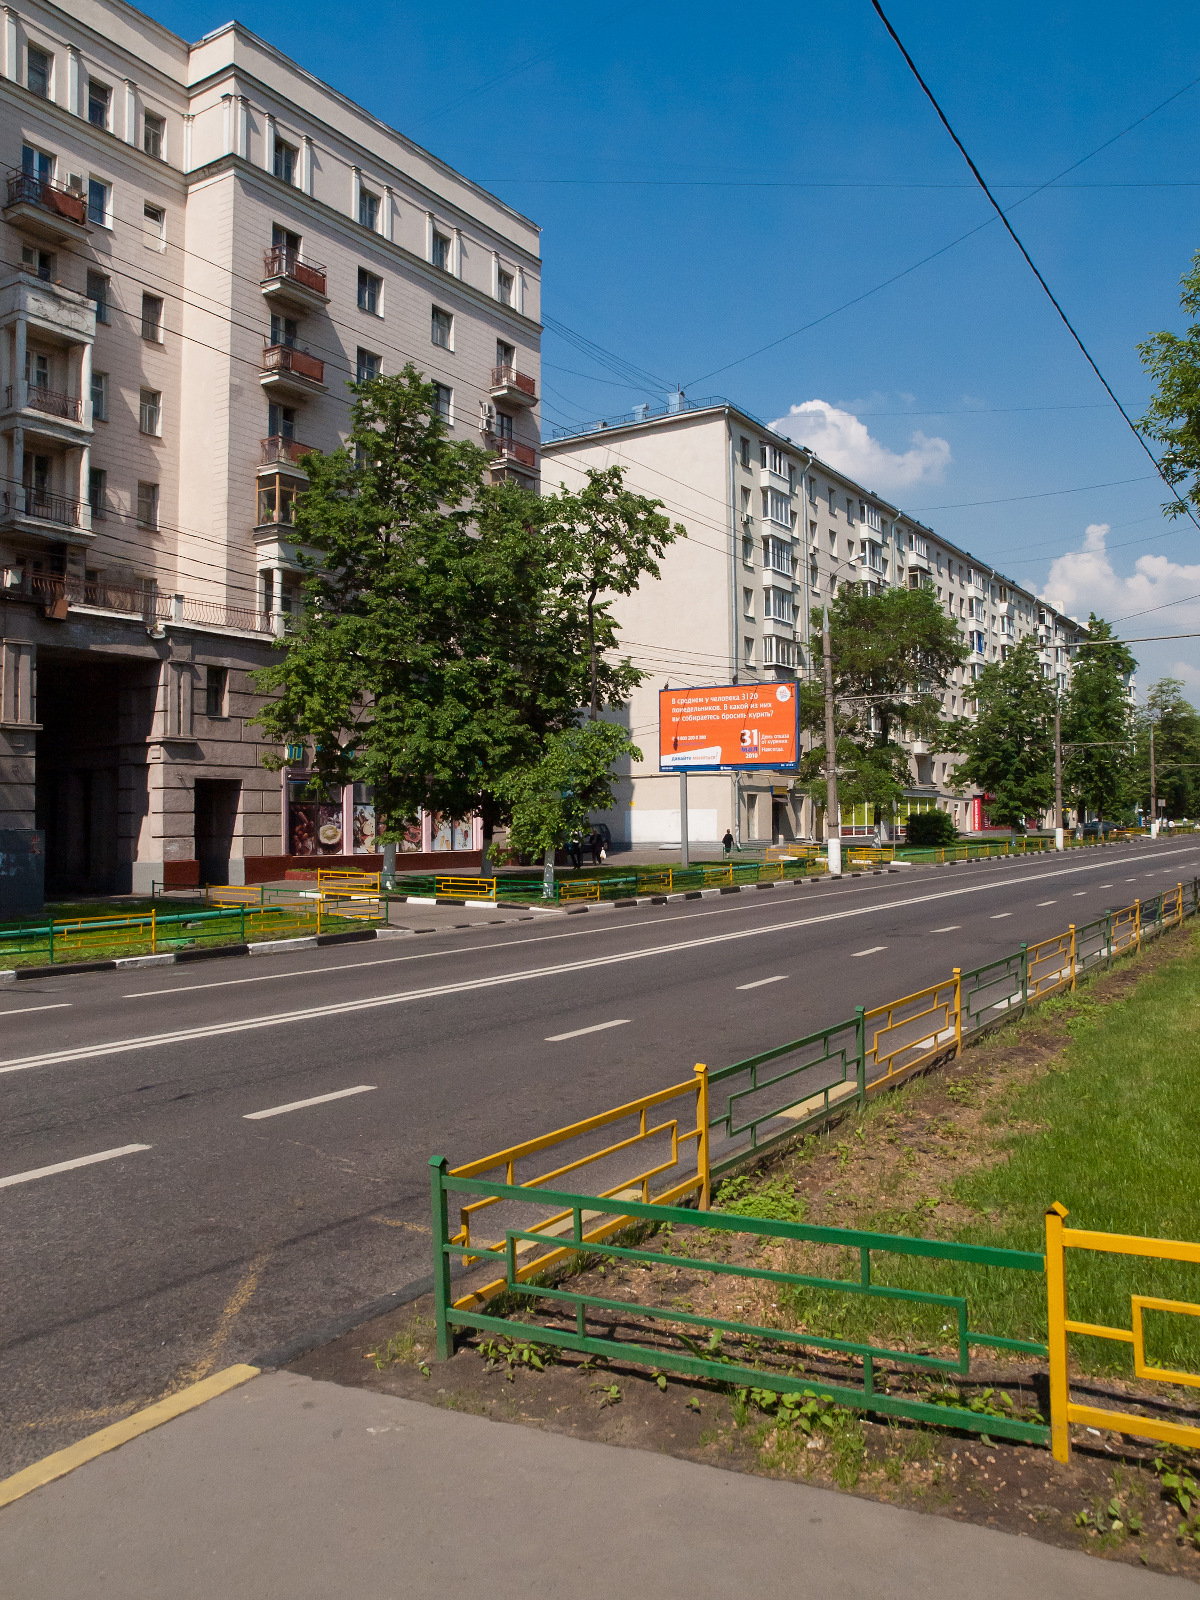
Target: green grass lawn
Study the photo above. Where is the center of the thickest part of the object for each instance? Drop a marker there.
(1110, 1130)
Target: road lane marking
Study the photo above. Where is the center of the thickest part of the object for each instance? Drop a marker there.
(299, 1105)
(759, 982)
(522, 975)
(1042, 903)
(61, 1005)
(1079, 894)
(1000, 915)
(953, 927)
(578, 1033)
(69, 1166)
(872, 951)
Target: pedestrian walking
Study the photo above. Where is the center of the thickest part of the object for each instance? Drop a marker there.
(596, 846)
(727, 842)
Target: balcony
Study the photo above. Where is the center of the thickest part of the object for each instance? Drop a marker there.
(287, 280)
(278, 452)
(37, 511)
(286, 370)
(513, 387)
(523, 455)
(775, 480)
(63, 413)
(45, 209)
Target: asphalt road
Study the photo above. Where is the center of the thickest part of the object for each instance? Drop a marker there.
(221, 1233)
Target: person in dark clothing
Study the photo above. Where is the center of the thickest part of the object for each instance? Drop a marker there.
(596, 847)
(575, 851)
(727, 842)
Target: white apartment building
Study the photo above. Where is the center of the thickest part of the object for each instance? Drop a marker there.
(200, 246)
(772, 531)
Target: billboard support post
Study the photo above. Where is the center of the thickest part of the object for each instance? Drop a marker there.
(833, 810)
(683, 819)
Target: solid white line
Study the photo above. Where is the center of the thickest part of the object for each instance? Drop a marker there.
(298, 1105)
(874, 950)
(578, 1033)
(69, 1166)
(61, 1005)
(954, 927)
(759, 982)
(584, 964)
(1000, 915)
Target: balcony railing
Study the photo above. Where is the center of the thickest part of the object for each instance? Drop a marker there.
(49, 401)
(510, 378)
(131, 601)
(54, 508)
(288, 450)
(286, 358)
(25, 188)
(282, 263)
(209, 613)
(510, 450)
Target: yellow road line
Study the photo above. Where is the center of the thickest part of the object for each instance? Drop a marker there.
(236, 1302)
(119, 1433)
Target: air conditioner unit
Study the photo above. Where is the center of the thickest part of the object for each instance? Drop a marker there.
(75, 183)
(487, 416)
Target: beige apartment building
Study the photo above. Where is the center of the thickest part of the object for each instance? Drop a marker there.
(201, 245)
(772, 530)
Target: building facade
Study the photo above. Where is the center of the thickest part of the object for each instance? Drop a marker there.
(201, 246)
(771, 532)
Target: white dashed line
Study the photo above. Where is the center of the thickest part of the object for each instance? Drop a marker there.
(873, 951)
(577, 1033)
(1042, 903)
(953, 928)
(1000, 915)
(758, 984)
(69, 1166)
(17, 1011)
(298, 1105)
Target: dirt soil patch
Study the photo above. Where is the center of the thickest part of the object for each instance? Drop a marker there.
(1119, 1497)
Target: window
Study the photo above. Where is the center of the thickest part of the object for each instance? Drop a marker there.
(37, 72)
(99, 103)
(504, 425)
(748, 549)
(370, 292)
(812, 490)
(748, 650)
(281, 421)
(504, 288)
(849, 511)
(442, 330)
(37, 369)
(98, 493)
(284, 330)
(368, 210)
(154, 131)
(506, 354)
(147, 505)
(152, 319)
(284, 239)
(441, 251)
(778, 652)
(747, 602)
(443, 400)
(37, 164)
(98, 198)
(832, 501)
(745, 452)
(285, 161)
(874, 520)
(99, 396)
(775, 506)
(366, 365)
(777, 603)
(154, 227)
(776, 462)
(39, 262)
(97, 293)
(150, 412)
(216, 684)
(276, 501)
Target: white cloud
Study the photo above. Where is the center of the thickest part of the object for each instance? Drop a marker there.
(1085, 580)
(841, 439)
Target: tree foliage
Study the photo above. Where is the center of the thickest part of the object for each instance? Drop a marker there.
(1007, 750)
(1097, 715)
(574, 778)
(1173, 416)
(444, 636)
(1176, 725)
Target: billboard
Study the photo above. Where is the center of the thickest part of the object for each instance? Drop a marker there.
(726, 726)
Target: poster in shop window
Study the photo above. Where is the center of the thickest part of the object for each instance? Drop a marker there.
(726, 727)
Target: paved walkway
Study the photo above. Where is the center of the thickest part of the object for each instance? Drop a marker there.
(290, 1489)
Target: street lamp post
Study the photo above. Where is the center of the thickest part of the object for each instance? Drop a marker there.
(1059, 841)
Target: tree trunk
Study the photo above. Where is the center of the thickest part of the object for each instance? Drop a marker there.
(389, 865)
(548, 875)
(594, 712)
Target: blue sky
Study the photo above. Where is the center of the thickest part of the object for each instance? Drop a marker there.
(709, 179)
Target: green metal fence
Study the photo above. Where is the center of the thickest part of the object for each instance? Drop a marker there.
(767, 1357)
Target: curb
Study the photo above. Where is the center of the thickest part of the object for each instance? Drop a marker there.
(119, 1433)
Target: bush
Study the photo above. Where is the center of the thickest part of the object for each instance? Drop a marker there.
(931, 828)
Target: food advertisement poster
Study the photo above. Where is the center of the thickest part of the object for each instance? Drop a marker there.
(728, 726)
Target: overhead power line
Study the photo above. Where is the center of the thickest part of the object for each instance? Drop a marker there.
(1011, 231)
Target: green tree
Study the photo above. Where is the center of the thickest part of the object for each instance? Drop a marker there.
(1097, 715)
(1176, 724)
(1173, 416)
(609, 540)
(441, 641)
(555, 799)
(1007, 750)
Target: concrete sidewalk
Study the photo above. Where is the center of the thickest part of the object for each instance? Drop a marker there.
(291, 1489)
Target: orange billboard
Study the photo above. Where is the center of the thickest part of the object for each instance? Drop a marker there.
(728, 725)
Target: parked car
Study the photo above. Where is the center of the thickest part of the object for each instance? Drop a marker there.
(1101, 829)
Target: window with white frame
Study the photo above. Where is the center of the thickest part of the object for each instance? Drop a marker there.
(748, 650)
(38, 67)
(443, 403)
(147, 505)
(778, 652)
(150, 412)
(99, 203)
(874, 520)
(154, 135)
(99, 396)
(154, 227)
(778, 604)
(370, 292)
(286, 160)
(832, 501)
(368, 209)
(441, 251)
(442, 328)
(152, 319)
(366, 365)
(97, 293)
(504, 288)
(747, 602)
(99, 103)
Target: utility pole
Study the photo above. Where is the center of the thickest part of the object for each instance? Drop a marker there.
(833, 815)
(1059, 842)
(1153, 790)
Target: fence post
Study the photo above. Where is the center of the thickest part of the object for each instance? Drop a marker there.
(860, 1046)
(1056, 1341)
(242, 925)
(1024, 978)
(1179, 904)
(1137, 924)
(703, 1164)
(438, 1167)
(153, 933)
(51, 941)
(957, 1012)
(1108, 949)
(1072, 932)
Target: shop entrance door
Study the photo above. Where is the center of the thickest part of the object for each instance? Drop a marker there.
(216, 820)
